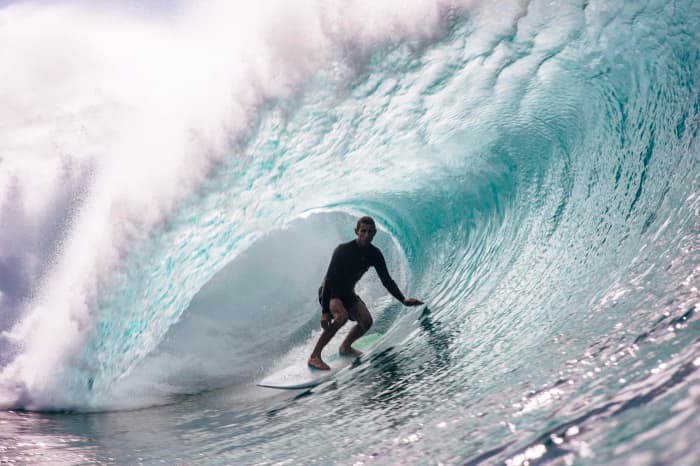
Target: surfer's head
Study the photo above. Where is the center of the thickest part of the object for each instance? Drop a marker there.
(365, 230)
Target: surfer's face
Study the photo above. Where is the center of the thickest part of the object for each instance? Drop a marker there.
(365, 233)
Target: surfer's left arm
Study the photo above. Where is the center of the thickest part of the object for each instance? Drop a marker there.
(390, 284)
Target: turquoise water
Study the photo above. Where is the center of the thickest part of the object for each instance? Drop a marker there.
(533, 170)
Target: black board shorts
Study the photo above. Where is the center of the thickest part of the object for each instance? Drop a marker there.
(348, 301)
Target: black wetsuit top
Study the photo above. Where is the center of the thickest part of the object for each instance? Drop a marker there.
(348, 264)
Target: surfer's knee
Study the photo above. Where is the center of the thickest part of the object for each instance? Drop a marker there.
(340, 315)
(366, 322)
(362, 316)
(339, 322)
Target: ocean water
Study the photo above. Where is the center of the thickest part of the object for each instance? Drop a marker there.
(174, 177)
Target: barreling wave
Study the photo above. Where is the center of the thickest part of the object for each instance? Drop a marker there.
(534, 174)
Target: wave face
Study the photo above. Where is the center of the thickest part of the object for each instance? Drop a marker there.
(168, 214)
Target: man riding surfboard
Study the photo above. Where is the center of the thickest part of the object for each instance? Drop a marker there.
(337, 295)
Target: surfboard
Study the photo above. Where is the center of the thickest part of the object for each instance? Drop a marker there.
(298, 377)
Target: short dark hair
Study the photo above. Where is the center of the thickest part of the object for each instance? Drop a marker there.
(367, 221)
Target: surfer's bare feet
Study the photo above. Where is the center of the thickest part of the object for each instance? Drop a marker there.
(350, 352)
(317, 363)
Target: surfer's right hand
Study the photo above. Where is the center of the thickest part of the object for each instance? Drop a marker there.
(325, 321)
(412, 302)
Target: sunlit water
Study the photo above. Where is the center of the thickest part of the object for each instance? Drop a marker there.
(175, 177)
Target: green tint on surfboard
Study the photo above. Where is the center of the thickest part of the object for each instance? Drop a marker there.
(302, 376)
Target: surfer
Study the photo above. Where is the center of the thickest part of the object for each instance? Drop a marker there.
(337, 295)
